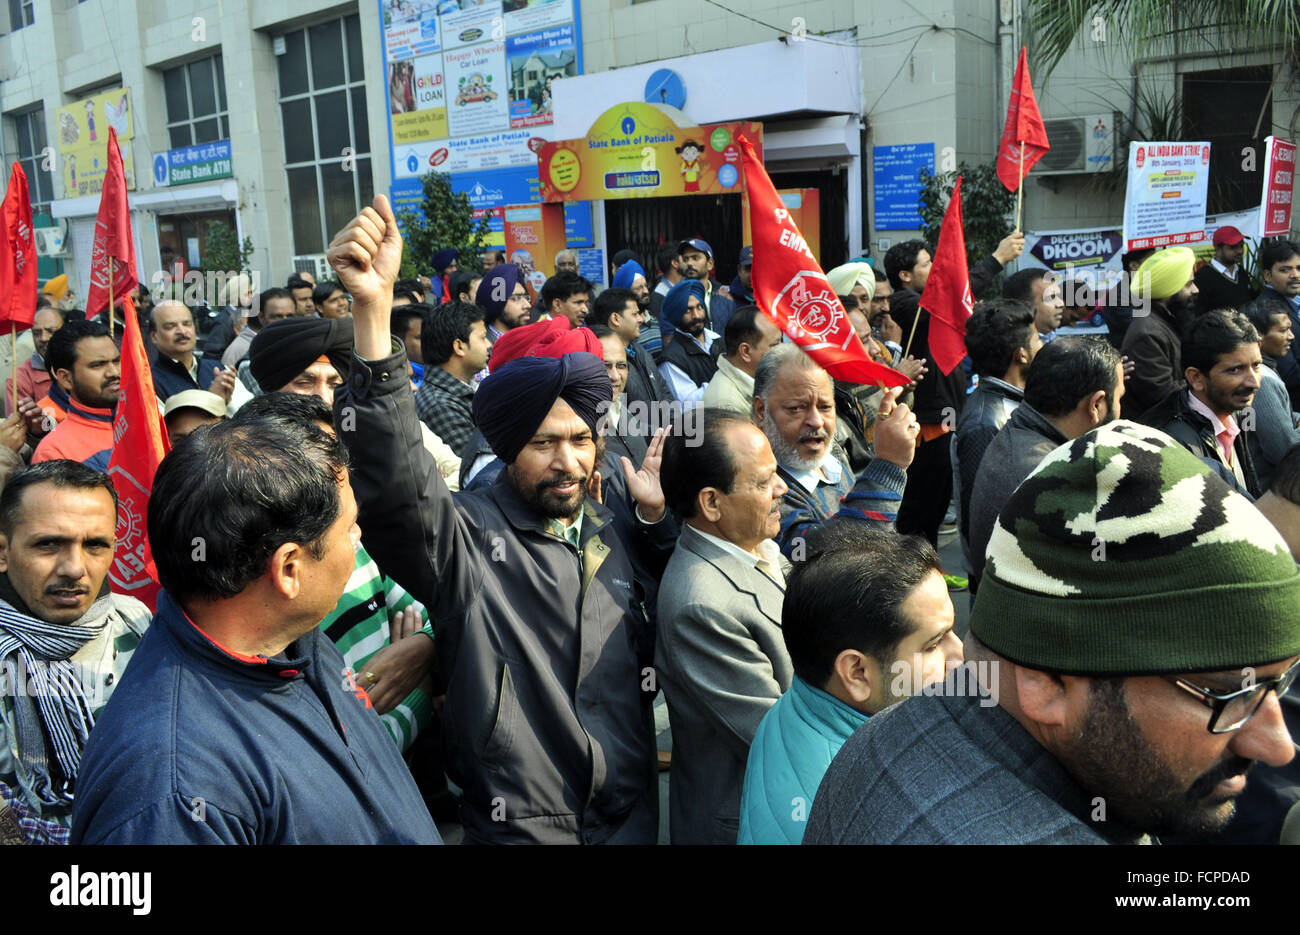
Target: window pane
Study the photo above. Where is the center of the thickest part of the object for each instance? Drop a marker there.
(225, 128)
(332, 124)
(365, 182)
(327, 55)
(360, 125)
(178, 107)
(36, 122)
(356, 67)
(304, 209)
(203, 96)
(180, 136)
(340, 196)
(293, 65)
(220, 70)
(44, 184)
(296, 116)
(22, 124)
(205, 131)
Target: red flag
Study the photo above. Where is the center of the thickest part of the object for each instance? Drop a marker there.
(139, 444)
(1024, 124)
(17, 256)
(947, 296)
(112, 238)
(790, 286)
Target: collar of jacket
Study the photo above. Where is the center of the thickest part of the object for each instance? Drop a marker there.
(1001, 388)
(1269, 362)
(440, 379)
(185, 631)
(1026, 416)
(521, 515)
(825, 713)
(742, 577)
(86, 412)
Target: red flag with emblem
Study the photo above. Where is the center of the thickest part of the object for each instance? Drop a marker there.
(947, 296)
(112, 238)
(1024, 125)
(791, 288)
(139, 444)
(17, 256)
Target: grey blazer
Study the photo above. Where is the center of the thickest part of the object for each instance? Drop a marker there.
(722, 662)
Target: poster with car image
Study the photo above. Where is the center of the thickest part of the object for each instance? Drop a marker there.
(478, 88)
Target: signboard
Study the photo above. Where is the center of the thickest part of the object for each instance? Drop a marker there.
(591, 265)
(639, 150)
(83, 141)
(188, 164)
(469, 93)
(577, 224)
(896, 184)
(1165, 201)
(1279, 186)
(538, 229)
(1061, 251)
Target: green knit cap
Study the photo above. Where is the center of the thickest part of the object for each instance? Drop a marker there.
(1123, 554)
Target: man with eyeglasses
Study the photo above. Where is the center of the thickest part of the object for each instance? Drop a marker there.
(1137, 622)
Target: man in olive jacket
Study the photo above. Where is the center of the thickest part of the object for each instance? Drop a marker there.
(532, 596)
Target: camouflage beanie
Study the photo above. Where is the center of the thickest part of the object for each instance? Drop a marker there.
(1122, 554)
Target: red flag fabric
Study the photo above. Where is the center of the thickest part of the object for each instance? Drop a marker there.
(112, 237)
(1024, 124)
(139, 445)
(791, 288)
(947, 296)
(17, 256)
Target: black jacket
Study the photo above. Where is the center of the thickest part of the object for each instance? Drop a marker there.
(937, 395)
(547, 731)
(1214, 290)
(1193, 431)
(644, 383)
(1154, 343)
(987, 410)
(694, 361)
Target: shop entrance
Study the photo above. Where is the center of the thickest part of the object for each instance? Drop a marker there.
(644, 224)
(184, 237)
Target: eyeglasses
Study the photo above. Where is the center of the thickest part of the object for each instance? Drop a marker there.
(1232, 710)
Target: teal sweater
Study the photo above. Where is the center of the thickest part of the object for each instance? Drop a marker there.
(794, 746)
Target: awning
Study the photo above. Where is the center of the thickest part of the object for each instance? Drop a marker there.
(189, 197)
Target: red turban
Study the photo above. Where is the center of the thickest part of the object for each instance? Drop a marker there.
(553, 338)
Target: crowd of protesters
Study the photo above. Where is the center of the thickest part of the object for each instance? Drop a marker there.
(431, 548)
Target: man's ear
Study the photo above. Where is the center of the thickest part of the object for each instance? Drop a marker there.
(285, 566)
(859, 674)
(4, 554)
(1041, 696)
(759, 410)
(709, 502)
(63, 377)
(459, 348)
(1195, 379)
(1090, 406)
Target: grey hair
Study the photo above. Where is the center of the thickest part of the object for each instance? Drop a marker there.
(772, 364)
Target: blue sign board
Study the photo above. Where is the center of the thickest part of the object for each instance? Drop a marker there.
(896, 184)
(577, 224)
(591, 265)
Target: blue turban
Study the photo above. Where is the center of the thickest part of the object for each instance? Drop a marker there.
(674, 305)
(511, 403)
(443, 258)
(626, 273)
(499, 280)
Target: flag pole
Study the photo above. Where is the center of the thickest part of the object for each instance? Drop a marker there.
(13, 344)
(111, 276)
(1020, 188)
(908, 350)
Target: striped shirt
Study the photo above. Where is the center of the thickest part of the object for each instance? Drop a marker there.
(358, 627)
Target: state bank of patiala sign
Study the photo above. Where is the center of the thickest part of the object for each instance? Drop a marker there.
(639, 150)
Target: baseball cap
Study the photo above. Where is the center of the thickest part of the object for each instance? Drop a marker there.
(204, 400)
(695, 244)
(1227, 235)
(746, 256)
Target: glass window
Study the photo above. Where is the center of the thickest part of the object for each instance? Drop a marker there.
(356, 65)
(332, 124)
(203, 95)
(195, 95)
(29, 133)
(327, 55)
(298, 132)
(304, 209)
(293, 64)
(21, 13)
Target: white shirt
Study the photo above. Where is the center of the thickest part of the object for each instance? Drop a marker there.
(767, 561)
(1229, 273)
(683, 388)
(828, 471)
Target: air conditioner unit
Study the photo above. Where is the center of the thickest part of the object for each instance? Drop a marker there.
(50, 240)
(314, 263)
(1079, 145)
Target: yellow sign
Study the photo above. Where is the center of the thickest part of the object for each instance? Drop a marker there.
(83, 141)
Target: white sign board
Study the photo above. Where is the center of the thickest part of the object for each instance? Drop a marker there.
(1165, 201)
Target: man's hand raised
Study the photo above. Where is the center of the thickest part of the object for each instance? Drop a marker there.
(366, 255)
(1010, 247)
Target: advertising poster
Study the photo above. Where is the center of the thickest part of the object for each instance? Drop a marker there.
(468, 22)
(896, 184)
(637, 150)
(536, 60)
(478, 88)
(526, 15)
(417, 99)
(1279, 187)
(1064, 250)
(504, 150)
(1165, 201)
(83, 141)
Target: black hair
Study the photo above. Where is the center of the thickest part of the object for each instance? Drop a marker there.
(324, 290)
(1068, 370)
(1263, 309)
(276, 292)
(60, 473)
(901, 258)
(399, 319)
(609, 302)
(1021, 285)
(286, 408)
(995, 331)
(599, 330)
(742, 328)
(240, 490)
(880, 276)
(847, 594)
(849, 302)
(1284, 482)
(297, 282)
(623, 256)
(665, 257)
(1213, 334)
(458, 285)
(698, 459)
(562, 286)
(1275, 252)
(402, 289)
(448, 323)
(61, 353)
(1135, 256)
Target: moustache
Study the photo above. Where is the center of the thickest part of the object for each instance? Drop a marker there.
(1204, 785)
(820, 435)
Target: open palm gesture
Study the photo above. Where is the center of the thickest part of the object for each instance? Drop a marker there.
(644, 484)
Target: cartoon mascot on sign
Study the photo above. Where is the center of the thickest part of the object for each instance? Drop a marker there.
(690, 152)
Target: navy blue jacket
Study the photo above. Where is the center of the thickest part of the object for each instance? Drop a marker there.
(199, 746)
(171, 377)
